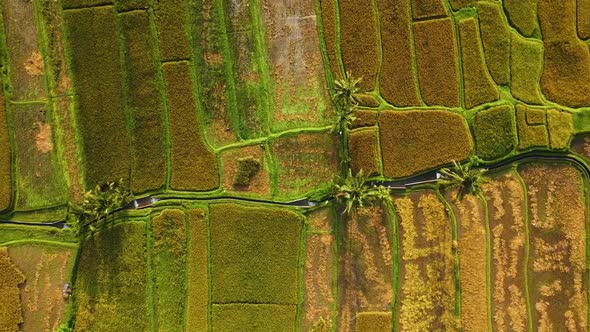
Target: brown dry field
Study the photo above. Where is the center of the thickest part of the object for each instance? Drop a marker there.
(296, 65)
(46, 269)
(319, 268)
(472, 249)
(581, 145)
(557, 240)
(26, 67)
(365, 265)
(427, 296)
(260, 183)
(506, 204)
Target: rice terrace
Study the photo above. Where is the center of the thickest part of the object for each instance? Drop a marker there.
(294, 165)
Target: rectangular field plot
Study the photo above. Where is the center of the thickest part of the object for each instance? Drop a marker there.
(365, 265)
(168, 269)
(427, 273)
(11, 277)
(557, 241)
(40, 180)
(5, 159)
(320, 260)
(254, 254)
(111, 280)
(506, 199)
(253, 317)
(25, 62)
(46, 269)
(197, 311)
(300, 97)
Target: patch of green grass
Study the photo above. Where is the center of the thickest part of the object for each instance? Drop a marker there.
(560, 126)
(254, 254)
(171, 23)
(495, 132)
(373, 322)
(253, 317)
(197, 311)
(18, 233)
(194, 165)
(168, 268)
(110, 288)
(93, 42)
(144, 102)
(40, 181)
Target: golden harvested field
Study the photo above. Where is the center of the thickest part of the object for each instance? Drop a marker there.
(557, 240)
(427, 271)
(366, 265)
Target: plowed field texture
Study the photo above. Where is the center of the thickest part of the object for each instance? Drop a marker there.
(225, 122)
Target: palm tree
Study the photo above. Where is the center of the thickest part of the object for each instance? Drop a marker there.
(344, 90)
(468, 178)
(354, 191)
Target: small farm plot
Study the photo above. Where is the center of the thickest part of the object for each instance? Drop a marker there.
(365, 264)
(46, 269)
(304, 162)
(11, 278)
(427, 265)
(111, 282)
(245, 170)
(505, 199)
(319, 269)
(557, 241)
(255, 254)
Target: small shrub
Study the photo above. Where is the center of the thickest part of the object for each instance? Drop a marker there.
(247, 168)
(354, 192)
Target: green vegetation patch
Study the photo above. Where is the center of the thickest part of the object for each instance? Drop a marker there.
(254, 254)
(560, 127)
(522, 15)
(171, 23)
(216, 93)
(111, 280)
(17, 233)
(5, 158)
(247, 69)
(398, 80)
(414, 141)
(40, 181)
(495, 132)
(495, 35)
(93, 41)
(360, 40)
(364, 150)
(458, 4)
(128, 5)
(253, 317)
(436, 56)
(526, 67)
(247, 168)
(328, 19)
(567, 58)
(194, 165)
(428, 8)
(536, 116)
(144, 103)
(479, 88)
(373, 322)
(23, 57)
(529, 135)
(304, 162)
(197, 310)
(168, 268)
(10, 278)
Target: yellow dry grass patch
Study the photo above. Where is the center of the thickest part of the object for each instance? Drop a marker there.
(427, 299)
(557, 262)
(505, 199)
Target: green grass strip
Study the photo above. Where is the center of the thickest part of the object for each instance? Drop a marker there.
(197, 316)
(93, 42)
(5, 158)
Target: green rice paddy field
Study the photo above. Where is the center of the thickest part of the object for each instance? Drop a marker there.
(223, 110)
